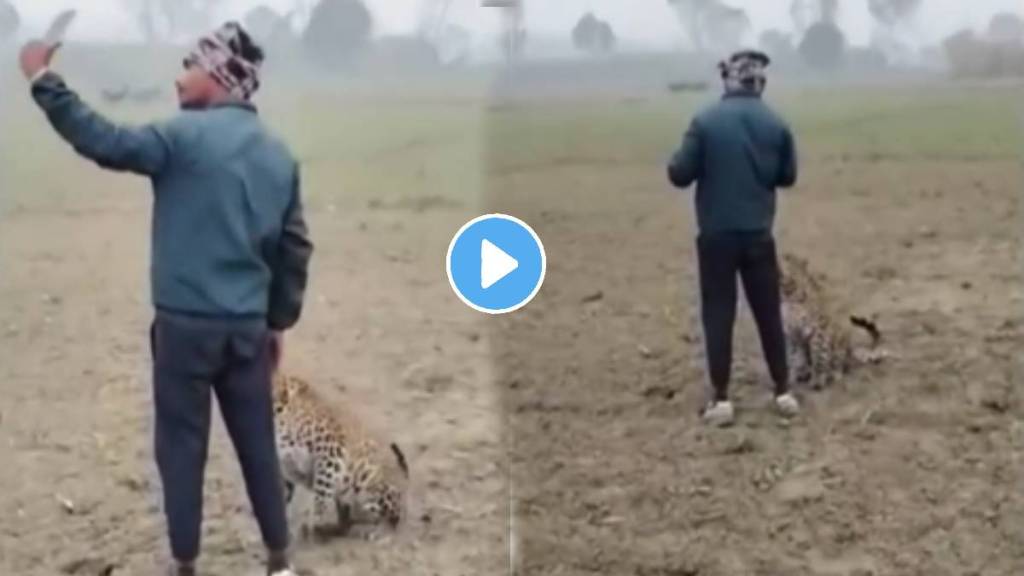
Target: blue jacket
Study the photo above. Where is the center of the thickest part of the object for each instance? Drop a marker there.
(228, 239)
(738, 151)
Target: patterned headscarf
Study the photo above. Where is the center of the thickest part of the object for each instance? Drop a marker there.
(223, 55)
(745, 71)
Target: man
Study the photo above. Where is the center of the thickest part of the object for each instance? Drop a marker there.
(738, 151)
(229, 269)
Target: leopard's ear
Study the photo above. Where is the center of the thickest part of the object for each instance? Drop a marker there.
(279, 386)
(286, 387)
(401, 459)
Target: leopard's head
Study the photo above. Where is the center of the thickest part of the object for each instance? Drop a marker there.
(286, 388)
(787, 275)
(383, 503)
(795, 277)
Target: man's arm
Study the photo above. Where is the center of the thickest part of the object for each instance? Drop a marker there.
(788, 166)
(143, 150)
(686, 164)
(291, 267)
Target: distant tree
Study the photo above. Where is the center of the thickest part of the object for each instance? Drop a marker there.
(10, 20)
(339, 30)
(806, 13)
(266, 25)
(593, 35)
(583, 32)
(162, 20)
(891, 13)
(690, 14)
(800, 14)
(1006, 27)
(711, 24)
(824, 46)
(972, 56)
(965, 53)
(726, 26)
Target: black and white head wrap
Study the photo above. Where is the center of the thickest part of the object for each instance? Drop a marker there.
(231, 57)
(745, 71)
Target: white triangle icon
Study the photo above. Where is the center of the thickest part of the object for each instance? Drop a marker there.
(495, 264)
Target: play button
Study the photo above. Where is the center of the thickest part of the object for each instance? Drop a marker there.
(496, 264)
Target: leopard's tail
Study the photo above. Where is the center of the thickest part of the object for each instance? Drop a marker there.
(868, 326)
(401, 459)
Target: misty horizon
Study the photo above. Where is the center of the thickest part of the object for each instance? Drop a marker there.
(655, 28)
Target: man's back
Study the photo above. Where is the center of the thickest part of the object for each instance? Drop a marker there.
(739, 151)
(220, 205)
(229, 238)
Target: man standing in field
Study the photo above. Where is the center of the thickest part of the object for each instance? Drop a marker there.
(229, 268)
(738, 151)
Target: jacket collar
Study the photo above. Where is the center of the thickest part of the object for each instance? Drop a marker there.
(741, 93)
(241, 104)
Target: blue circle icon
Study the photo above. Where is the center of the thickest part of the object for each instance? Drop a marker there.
(496, 263)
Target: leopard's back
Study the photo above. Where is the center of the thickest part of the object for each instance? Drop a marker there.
(820, 333)
(325, 448)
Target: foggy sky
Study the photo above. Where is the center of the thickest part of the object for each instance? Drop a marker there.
(654, 25)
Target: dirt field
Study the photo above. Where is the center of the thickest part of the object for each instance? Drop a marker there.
(909, 200)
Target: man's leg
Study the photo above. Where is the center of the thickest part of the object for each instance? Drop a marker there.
(183, 364)
(717, 256)
(246, 402)
(760, 273)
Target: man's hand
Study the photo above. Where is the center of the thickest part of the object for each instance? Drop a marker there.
(36, 56)
(276, 349)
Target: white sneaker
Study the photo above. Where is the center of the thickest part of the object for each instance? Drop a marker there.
(720, 414)
(285, 572)
(787, 405)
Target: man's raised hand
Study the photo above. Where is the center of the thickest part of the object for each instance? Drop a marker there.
(36, 56)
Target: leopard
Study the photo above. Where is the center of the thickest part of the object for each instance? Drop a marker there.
(325, 449)
(819, 333)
